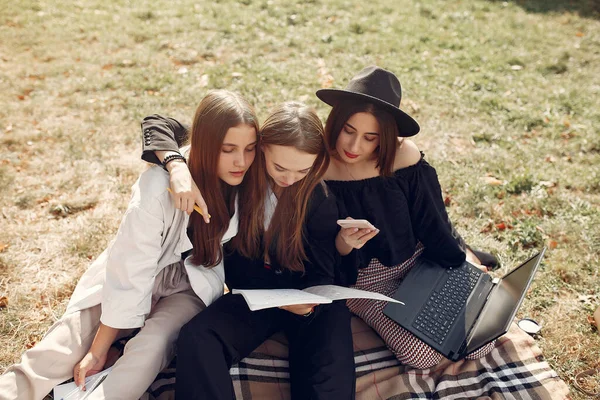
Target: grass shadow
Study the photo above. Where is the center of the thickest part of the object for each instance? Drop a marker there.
(584, 8)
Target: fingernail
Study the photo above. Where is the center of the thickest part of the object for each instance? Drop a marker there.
(355, 230)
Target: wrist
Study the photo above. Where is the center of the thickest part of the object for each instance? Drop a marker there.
(342, 247)
(174, 164)
(98, 352)
(170, 158)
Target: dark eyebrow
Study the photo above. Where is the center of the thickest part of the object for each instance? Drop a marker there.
(366, 133)
(285, 169)
(235, 145)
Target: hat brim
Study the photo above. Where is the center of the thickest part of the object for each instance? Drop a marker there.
(407, 126)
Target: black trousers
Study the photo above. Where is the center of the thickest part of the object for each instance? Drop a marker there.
(321, 356)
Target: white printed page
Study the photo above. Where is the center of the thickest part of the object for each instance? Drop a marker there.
(259, 299)
(70, 391)
(335, 292)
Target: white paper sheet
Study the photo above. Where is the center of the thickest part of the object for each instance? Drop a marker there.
(70, 391)
(335, 292)
(258, 299)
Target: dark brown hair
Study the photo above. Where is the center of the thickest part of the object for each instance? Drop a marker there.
(218, 111)
(388, 135)
(296, 125)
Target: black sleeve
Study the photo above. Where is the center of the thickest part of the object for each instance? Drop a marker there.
(321, 230)
(430, 220)
(161, 134)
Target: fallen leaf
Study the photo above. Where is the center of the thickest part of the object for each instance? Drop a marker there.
(552, 244)
(579, 34)
(3, 301)
(447, 201)
(487, 228)
(3, 246)
(490, 180)
(501, 226)
(591, 321)
(107, 67)
(326, 81)
(412, 106)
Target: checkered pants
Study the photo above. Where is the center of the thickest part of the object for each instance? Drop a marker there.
(406, 347)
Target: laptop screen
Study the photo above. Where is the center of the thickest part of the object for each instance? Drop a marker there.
(503, 303)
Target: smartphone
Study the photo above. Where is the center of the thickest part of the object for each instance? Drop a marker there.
(355, 223)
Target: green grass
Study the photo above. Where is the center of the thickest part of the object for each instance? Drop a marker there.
(507, 90)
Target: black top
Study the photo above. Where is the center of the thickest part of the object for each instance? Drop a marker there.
(319, 234)
(319, 230)
(407, 208)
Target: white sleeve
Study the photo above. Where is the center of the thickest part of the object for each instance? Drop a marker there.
(131, 269)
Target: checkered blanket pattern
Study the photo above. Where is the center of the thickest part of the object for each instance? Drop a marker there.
(515, 369)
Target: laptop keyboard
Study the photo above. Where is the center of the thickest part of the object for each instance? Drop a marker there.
(443, 307)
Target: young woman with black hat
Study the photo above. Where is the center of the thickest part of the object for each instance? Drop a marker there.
(378, 175)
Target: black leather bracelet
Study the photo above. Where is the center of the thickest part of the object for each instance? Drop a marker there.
(170, 158)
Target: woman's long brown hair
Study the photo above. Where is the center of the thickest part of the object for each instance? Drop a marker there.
(217, 112)
(290, 124)
(388, 135)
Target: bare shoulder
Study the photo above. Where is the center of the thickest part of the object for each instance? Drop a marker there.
(407, 154)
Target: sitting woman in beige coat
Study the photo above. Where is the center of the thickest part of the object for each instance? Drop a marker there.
(141, 280)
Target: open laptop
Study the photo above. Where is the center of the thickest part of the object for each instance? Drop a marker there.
(458, 310)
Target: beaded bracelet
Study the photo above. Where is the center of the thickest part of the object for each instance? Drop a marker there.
(172, 157)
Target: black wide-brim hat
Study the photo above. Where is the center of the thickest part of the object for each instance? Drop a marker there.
(380, 87)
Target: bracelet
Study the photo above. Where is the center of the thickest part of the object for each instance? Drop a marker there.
(172, 157)
(308, 314)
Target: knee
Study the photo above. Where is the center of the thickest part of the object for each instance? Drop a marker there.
(420, 358)
(482, 352)
(187, 335)
(197, 337)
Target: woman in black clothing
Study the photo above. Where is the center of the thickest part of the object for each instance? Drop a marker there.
(286, 239)
(378, 175)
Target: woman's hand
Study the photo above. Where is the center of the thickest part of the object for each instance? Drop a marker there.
(184, 189)
(94, 360)
(353, 238)
(89, 365)
(472, 258)
(300, 309)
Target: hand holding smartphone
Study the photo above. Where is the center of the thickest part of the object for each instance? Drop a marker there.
(355, 223)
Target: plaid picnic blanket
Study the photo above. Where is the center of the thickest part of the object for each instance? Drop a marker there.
(515, 369)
